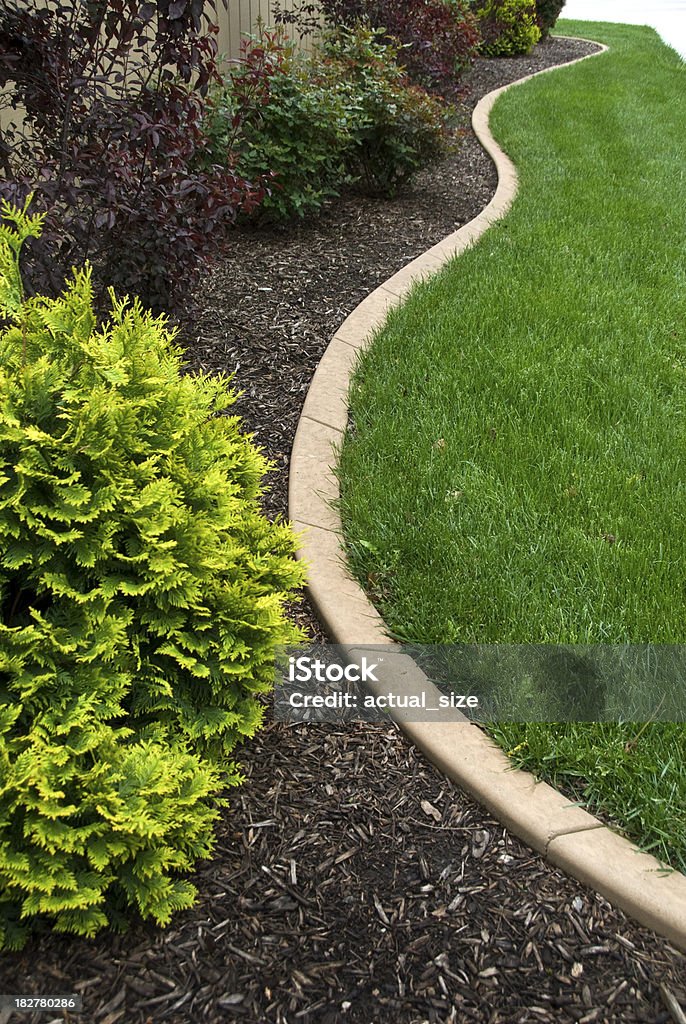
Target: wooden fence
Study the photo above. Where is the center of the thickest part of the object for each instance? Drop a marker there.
(235, 19)
(241, 17)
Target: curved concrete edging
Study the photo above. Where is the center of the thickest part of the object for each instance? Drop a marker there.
(564, 833)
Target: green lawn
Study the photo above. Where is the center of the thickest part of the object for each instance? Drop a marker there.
(516, 468)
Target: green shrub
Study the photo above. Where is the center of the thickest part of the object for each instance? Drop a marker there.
(347, 114)
(141, 594)
(399, 127)
(547, 13)
(508, 27)
(289, 122)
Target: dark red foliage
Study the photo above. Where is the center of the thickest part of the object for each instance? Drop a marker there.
(440, 37)
(112, 143)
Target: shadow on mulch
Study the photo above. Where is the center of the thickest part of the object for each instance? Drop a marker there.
(352, 883)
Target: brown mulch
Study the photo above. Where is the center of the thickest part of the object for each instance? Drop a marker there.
(351, 882)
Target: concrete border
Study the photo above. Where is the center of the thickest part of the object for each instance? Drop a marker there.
(564, 833)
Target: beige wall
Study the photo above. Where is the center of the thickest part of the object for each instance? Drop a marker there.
(240, 17)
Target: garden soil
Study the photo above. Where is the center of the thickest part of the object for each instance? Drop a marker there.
(351, 882)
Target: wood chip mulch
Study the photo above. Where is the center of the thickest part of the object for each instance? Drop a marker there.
(351, 883)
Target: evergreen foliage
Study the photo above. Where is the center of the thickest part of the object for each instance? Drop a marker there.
(141, 595)
(547, 13)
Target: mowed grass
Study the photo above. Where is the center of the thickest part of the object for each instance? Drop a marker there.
(515, 471)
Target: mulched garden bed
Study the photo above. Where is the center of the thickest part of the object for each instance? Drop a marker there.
(351, 883)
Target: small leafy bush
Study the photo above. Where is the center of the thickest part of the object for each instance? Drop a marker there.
(346, 115)
(439, 38)
(508, 27)
(112, 138)
(141, 594)
(547, 13)
(284, 124)
(398, 127)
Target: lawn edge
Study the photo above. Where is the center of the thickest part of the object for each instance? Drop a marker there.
(565, 834)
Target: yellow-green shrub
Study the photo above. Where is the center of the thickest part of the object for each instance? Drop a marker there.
(141, 594)
(508, 27)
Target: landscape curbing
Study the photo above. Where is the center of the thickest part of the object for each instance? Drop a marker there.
(563, 832)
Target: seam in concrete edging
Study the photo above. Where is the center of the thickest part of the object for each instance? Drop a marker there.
(564, 833)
